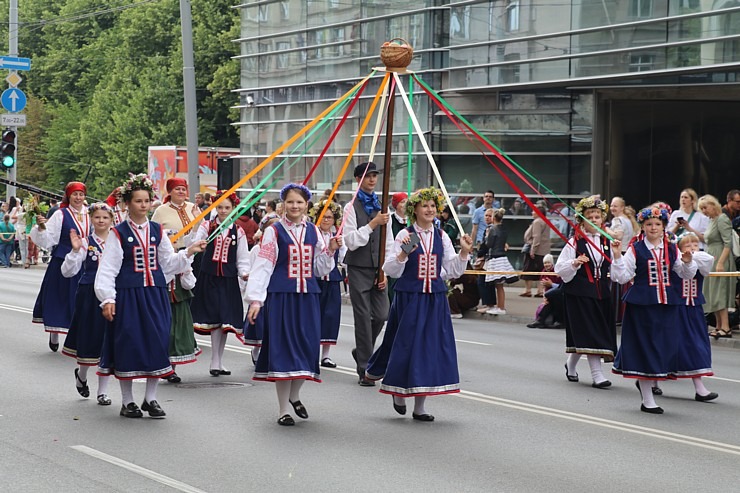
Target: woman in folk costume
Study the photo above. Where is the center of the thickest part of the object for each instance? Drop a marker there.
(283, 282)
(650, 345)
(132, 289)
(398, 222)
(84, 340)
(418, 357)
(56, 299)
(583, 266)
(331, 291)
(217, 303)
(173, 215)
(119, 207)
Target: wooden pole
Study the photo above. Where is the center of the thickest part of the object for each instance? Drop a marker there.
(386, 178)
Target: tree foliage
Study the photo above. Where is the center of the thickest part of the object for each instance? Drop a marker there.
(106, 83)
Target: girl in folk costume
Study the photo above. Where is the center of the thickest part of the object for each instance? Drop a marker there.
(583, 266)
(133, 292)
(85, 337)
(284, 279)
(119, 207)
(418, 357)
(56, 301)
(175, 214)
(217, 303)
(650, 345)
(331, 292)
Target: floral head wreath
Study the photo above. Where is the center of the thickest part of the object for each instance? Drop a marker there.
(663, 205)
(100, 206)
(137, 182)
(423, 195)
(592, 202)
(295, 186)
(233, 198)
(335, 209)
(653, 212)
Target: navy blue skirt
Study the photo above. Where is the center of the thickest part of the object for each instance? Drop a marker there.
(136, 343)
(418, 355)
(292, 338)
(650, 340)
(253, 333)
(589, 327)
(694, 358)
(331, 311)
(84, 340)
(217, 304)
(55, 302)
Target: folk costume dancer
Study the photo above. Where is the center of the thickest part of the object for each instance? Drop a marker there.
(84, 340)
(119, 207)
(217, 306)
(398, 222)
(418, 357)
(56, 299)
(584, 268)
(284, 280)
(132, 289)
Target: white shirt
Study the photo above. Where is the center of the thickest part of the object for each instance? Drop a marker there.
(243, 260)
(356, 238)
(624, 268)
(699, 222)
(564, 266)
(453, 264)
(73, 261)
(49, 238)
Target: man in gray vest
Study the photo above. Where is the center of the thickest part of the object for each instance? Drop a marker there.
(361, 234)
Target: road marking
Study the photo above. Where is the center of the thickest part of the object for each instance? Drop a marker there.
(18, 309)
(724, 379)
(456, 340)
(167, 481)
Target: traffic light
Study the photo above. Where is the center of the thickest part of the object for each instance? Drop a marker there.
(7, 149)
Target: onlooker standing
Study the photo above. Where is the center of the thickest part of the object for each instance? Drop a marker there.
(732, 208)
(7, 239)
(447, 223)
(249, 226)
(487, 291)
(621, 224)
(200, 201)
(687, 218)
(53, 207)
(497, 260)
(17, 217)
(537, 245)
(479, 227)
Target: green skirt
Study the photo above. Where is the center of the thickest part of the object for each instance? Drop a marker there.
(183, 348)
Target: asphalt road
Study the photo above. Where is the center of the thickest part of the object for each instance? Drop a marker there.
(517, 426)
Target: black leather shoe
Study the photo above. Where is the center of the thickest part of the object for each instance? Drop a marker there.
(215, 373)
(131, 411)
(104, 400)
(651, 410)
(601, 385)
(300, 409)
(399, 409)
(173, 378)
(422, 417)
(54, 346)
(656, 391)
(570, 378)
(705, 398)
(152, 407)
(83, 390)
(364, 382)
(224, 372)
(536, 325)
(328, 363)
(286, 420)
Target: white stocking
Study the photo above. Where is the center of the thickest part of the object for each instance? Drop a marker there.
(216, 351)
(419, 404)
(646, 388)
(325, 351)
(283, 393)
(103, 384)
(699, 386)
(54, 338)
(221, 348)
(594, 361)
(82, 373)
(572, 362)
(127, 392)
(151, 389)
(295, 390)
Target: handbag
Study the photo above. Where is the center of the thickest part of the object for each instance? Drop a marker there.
(526, 248)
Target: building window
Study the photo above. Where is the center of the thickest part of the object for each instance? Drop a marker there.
(641, 8)
(285, 10)
(512, 15)
(264, 13)
(283, 58)
(511, 73)
(338, 34)
(641, 63)
(333, 4)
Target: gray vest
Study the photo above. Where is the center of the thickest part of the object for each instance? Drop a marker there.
(366, 256)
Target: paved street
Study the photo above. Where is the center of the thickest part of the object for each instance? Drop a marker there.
(517, 426)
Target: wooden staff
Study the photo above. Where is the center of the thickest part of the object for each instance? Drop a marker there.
(386, 179)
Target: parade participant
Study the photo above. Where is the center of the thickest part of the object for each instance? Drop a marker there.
(84, 340)
(132, 289)
(217, 303)
(331, 291)
(650, 345)
(418, 357)
(119, 207)
(283, 282)
(56, 301)
(398, 222)
(370, 303)
(584, 267)
(175, 215)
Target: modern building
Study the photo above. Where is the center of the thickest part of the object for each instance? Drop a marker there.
(638, 98)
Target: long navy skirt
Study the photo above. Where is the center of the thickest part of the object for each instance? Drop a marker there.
(331, 311)
(136, 343)
(418, 355)
(589, 327)
(694, 358)
(55, 302)
(84, 340)
(217, 304)
(292, 338)
(254, 333)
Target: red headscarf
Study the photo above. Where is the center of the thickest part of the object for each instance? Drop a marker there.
(397, 198)
(172, 183)
(112, 199)
(72, 187)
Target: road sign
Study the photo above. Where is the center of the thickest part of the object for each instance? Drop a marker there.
(13, 100)
(12, 120)
(13, 79)
(15, 63)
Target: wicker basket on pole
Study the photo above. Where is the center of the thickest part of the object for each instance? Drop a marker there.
(396, 53)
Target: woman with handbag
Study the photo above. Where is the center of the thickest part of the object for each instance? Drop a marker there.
(497, 261)
(536, 246)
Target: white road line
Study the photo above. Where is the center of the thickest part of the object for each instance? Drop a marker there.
(456, 340)
(724, 379)
(167, 481)
(13, 308)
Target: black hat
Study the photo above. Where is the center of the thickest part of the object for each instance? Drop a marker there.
(360, 169)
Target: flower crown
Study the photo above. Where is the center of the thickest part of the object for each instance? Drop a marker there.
(295, 186)
(137, 182)
(335, 209)
(233, 197)
(423, 195)
(653, 212)
(100, 206)
(592, 202)
(663, 205)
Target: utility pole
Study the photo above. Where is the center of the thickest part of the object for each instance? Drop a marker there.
(13, 51)
(191, 109)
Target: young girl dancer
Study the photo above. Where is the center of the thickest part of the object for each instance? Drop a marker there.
(418, 357)
(56, 300)
(650, 344)
(132, 289)
(84, 340)
(584, 268)
(331, 292)
(284, 278)
(217, 301)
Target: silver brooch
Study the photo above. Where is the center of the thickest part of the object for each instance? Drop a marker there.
(95, 258)
(153, 239)
(130, 240)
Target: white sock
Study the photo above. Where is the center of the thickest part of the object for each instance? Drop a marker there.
(256, 353)
(295, 390)
(283, 393)
(646, 388)
(594, 361)
(419, 404)
(221, 348)
(54, 338)
(82, 374)
(699, 386)
(151, 389)
(573, 359)
(103, 384)
(325, 351)
(216, 336)
(400, 401)
(127, 392)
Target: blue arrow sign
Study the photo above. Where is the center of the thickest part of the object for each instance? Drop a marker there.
(15, 63)
(13, 100)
